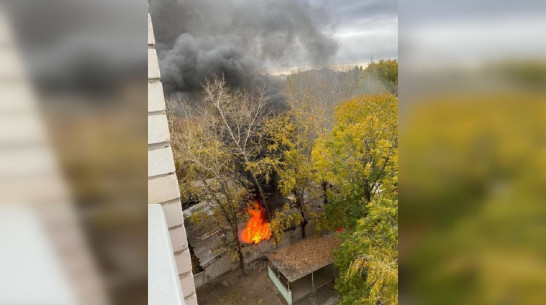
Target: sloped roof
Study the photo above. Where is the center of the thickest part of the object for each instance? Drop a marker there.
(305, 256)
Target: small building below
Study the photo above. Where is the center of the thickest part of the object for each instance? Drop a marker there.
(301, 268)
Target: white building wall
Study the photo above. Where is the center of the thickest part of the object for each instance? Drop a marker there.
(162, 182)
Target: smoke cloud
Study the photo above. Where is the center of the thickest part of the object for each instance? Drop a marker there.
(192, 59)
(237, 38)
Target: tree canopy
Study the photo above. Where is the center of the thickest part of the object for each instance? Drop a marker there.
(368, 258)
(359, 158)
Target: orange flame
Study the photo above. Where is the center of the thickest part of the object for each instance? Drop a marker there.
(257, 228)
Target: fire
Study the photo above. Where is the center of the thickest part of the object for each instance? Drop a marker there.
(257, 228)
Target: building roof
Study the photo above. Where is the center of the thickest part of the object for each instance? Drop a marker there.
(305, 256)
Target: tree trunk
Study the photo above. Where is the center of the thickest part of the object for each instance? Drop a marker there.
(241, 260)
(300, 205)
(325, 192)
(258, 186)
(262, 195)
(232, 220)
(367, 191)
(239, 251)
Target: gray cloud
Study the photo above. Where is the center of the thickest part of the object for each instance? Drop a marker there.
(363, 29)
(349, 11)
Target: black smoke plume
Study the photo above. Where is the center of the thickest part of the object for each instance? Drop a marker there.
(237, 38)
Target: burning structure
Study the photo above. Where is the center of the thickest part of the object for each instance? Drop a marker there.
(210, 260)
(258, 227)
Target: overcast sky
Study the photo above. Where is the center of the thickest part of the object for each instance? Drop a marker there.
(363, 28)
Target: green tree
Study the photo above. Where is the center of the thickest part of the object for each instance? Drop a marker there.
(290, 137)
(387, 72)
(359, 157)
(368, 258)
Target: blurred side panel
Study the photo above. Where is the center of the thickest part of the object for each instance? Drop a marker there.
(73, 161)
(44, 257)
(472, 152)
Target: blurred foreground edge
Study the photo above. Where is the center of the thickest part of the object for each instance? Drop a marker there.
(44, 258)
(472, 153)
